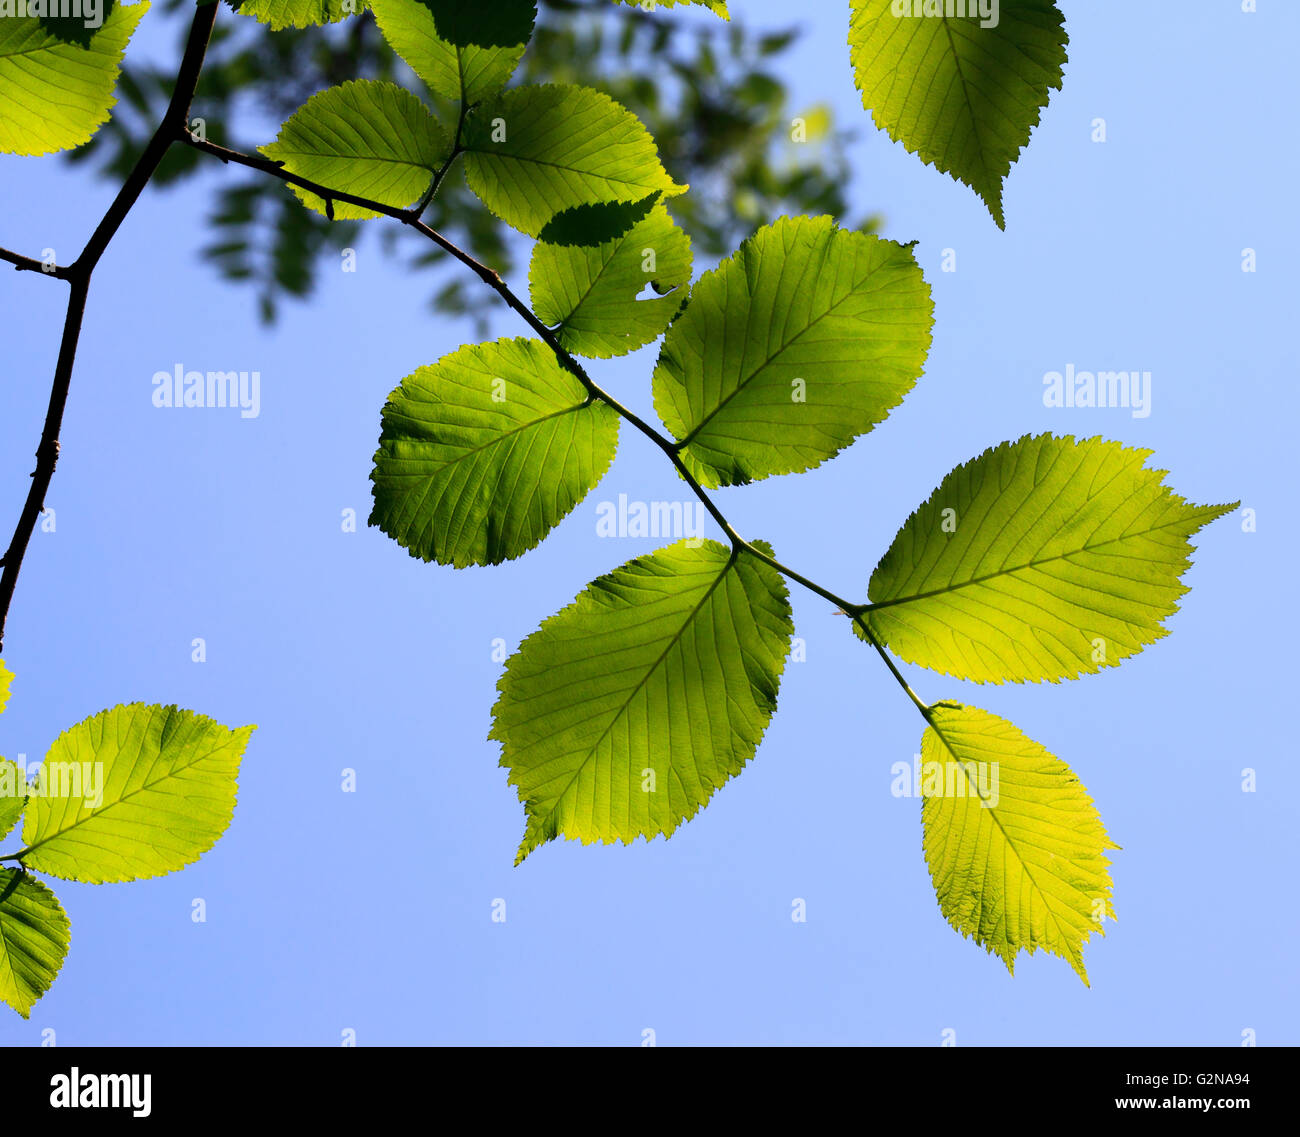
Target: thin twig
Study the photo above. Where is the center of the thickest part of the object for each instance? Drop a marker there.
(78, 276)
(672, 449)
(456, 151)
(31, 264)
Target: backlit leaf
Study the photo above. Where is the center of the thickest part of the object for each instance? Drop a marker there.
(54, 94)
(804, 339)
(13, 795)
(624, 712)
(486, 451)
(367, 138)
(535, 151)
(590, 294)
(281, 14)
(1015, 847)
(463, 49)
(961, 95)
(33, 939)
(1040, 559)
(717, 7)
(132, 792)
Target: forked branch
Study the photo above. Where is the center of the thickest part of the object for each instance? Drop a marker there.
(78, 276)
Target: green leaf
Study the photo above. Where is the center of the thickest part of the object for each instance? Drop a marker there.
(1014, 845)
(1040, 559)
(623, 713)
(463, 49)
(717, 7)
(132, 792)
(13, 783)
(595, 224)
(54, 95)
(486, 451)
(71, 28)
(804, 339)
(33, 939)
(281, 14)
(961, 96)
(536, 151)
(590, 294)
(13, 795)
(367, 138)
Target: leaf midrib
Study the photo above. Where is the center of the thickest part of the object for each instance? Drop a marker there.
(744, 383)
(501, 154)
(335, 156)
(53, 43)
(539, 821)
(895, 601)
(1024, 865)
(966, 93)
(97, 813)
(493, 441)
(596, 277)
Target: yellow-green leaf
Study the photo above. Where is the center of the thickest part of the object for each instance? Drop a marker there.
(592, 295)
(483, 453)
(33, 939)
(962, 92)
(1039, 560)
(463, 49)
(536, 151)
(54, 94)
(717, 7)
(367, 138)
(1015, 847)
(803, 340)
(624, 712)
(132, 792)
(13, 795)
(281, 14)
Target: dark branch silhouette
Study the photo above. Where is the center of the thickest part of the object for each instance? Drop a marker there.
(78, 276)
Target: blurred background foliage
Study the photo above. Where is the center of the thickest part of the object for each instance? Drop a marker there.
(710, 93)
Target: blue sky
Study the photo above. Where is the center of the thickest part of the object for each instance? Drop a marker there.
(372, 911)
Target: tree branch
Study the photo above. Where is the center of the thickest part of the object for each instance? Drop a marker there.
(174, 118)
(411, 219)
(30, 264)
(78, 276)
